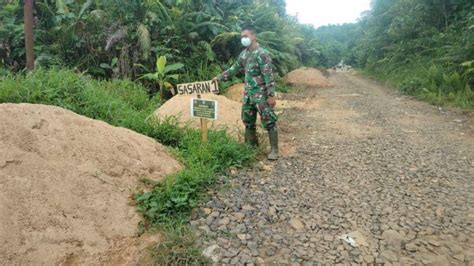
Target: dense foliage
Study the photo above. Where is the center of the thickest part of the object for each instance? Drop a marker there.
(113, 38)
(424, 47)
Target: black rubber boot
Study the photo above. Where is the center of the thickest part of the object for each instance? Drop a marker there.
(273, 135)
(251, 137)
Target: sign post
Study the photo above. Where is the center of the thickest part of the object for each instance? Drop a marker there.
(201, 108)
(204, 130)
(204, 109)
(28, 14)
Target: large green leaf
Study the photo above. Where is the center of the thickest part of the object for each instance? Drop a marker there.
(161, 64)
(150, 76)
(173, 67)
(175, 76)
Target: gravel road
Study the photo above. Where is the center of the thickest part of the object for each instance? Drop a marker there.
(376, 178)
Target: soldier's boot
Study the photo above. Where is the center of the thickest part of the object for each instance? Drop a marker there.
(273, 136)
(251, 137)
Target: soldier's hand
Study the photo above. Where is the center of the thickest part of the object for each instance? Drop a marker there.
(271, 101)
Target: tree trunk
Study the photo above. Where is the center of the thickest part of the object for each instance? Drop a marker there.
(28, 14)
(445, 14)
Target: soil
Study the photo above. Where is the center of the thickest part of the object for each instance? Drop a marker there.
(307, 78)
(228, 116)
(66, 183)
(235, 92)
(376, 178)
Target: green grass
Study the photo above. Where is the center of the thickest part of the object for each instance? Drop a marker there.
(172, 200)
(179, 248)
(126, 104)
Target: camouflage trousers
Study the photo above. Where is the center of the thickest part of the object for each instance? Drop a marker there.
(258, 103)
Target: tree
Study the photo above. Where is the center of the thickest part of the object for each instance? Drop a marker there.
(28, 15)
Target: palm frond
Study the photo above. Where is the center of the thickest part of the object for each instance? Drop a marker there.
(210, 23)
(225, 37)
(173, 67)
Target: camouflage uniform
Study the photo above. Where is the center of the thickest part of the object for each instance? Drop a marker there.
(259, 85)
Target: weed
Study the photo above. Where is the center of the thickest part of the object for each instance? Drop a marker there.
(179, 248)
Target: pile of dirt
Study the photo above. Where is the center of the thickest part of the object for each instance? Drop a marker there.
(236, 92)
(307, 78)
(228, 116)
(65, 187)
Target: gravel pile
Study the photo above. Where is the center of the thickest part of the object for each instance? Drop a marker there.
(377, 178)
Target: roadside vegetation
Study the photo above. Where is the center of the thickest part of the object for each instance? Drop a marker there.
(424, 48)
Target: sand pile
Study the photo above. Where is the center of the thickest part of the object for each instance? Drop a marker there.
(65, 186)
(308, 78)
(236, 92)
(228, 116)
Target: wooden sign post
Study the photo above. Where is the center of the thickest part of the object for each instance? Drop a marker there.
(28, 14)
(201, 108)
(204, 130)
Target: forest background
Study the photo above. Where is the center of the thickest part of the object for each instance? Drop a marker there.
(424, 47)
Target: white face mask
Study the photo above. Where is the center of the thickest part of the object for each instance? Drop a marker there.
(246, 41)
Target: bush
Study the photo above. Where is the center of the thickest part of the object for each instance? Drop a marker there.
(430, 82)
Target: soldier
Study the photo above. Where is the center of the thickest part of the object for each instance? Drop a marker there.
(259, 95)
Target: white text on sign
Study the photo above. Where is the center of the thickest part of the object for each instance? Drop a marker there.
(202, 87)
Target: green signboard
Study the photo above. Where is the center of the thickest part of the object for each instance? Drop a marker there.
(204, 108)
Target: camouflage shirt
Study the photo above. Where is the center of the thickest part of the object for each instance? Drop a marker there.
(257, 65)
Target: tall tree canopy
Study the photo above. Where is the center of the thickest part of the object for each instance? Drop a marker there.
(109, 38)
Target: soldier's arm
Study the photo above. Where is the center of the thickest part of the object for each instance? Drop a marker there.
(233, 70)
(266, 68)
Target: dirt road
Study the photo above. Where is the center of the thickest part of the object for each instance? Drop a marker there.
(376, 177)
